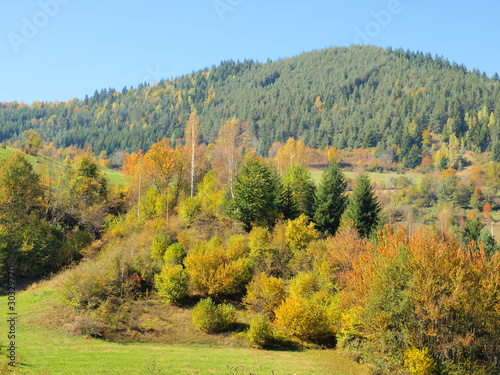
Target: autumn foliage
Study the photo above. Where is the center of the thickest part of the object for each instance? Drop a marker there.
(426, 292)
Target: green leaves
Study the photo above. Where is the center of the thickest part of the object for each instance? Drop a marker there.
(20, 188)
(330, 200)
(256, 194)
(363, 208)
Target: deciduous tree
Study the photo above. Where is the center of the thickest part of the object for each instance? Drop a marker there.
(227, 153)
(191, 152)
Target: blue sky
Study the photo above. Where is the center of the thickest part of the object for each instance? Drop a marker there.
(62, 49)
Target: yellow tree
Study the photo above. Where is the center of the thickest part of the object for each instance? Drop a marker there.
(333, 155)
(191, 152)
(160, 162)
(133, 167)
(33, 142)
(290, 154)
(227, 153)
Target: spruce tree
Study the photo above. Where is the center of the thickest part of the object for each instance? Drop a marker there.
(287, 205)
(301, 186)
(256, 194)
(363, 208)
(331, 199)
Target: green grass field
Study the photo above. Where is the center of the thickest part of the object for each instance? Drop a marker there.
(50, 350)
(379, 178)
(116, 178)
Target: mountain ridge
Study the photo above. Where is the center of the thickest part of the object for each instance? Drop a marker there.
(348, 97)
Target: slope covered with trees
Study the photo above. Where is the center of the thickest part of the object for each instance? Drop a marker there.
(353, 97)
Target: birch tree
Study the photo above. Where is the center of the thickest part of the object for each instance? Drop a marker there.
(227, 153)
(192, 140)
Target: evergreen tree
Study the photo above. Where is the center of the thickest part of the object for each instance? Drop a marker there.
(495, 152)
(413, 158)
(473, 228)
(298, 180)
(363, 208)
(256, 194)
(287, 205)
(330, 199)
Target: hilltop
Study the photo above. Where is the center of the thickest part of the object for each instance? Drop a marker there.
(359, 96)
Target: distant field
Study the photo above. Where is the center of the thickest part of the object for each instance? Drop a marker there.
(115, 178)
(384, 178)
(51, 351)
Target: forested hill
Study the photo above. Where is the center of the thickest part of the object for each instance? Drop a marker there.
(359, 96)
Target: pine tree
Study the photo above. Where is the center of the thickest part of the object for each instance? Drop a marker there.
(363, 208)
(330, 199)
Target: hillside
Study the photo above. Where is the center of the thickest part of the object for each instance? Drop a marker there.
(353, 97)
(42, 164)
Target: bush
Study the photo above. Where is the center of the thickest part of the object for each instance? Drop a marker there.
(34, 246)
(214, 274)
(299, 233)
(143, 269)
(427, 290)
(304, 319)
(305, 284)
(265, 293)
(419, 361)
(172, 284)
(86, 325)
(159, 245)
(236, 247)
(211, 318)
(189, 210)
(86, 289)
(153, 204)
(89, 286)
(75, 243)
(174, 254)
(259, 242)
(260, 333)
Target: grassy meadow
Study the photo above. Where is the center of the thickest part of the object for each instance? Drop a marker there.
(45, 348)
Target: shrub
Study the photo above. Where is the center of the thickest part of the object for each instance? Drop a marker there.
(153, 204)
(430, 291)
(419, 361)
(159, 245)
(305, 284)
(172, 284)
(86, 289)
(213, 274)
(299, 233)
(304, 319)
(174, 254)
(260, 333)
(75, 243)
(211, 318)
(265, 293)
(259, 242)
(236, 247)
(189, 209)
(87, 326)
(143, 269)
